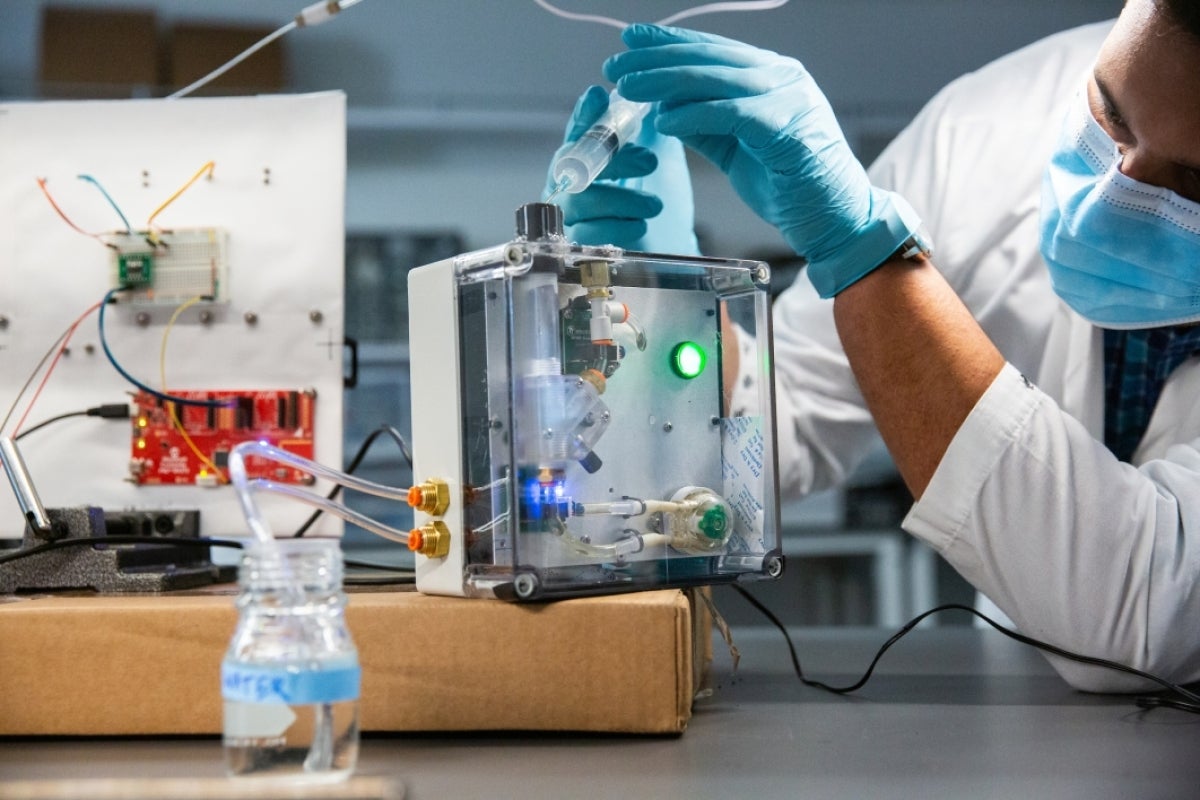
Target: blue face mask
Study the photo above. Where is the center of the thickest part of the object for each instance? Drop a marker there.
(1122, 253)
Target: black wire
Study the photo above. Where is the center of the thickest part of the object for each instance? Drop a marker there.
(1190, 702)
(379, 580)
(106, 411)
(362, 452)
(97, 540)
(350, 562)
(46, 422)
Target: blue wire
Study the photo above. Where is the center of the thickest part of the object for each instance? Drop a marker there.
(183, 401)
(111, 202)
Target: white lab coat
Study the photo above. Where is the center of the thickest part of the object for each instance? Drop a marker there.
(1079, 549)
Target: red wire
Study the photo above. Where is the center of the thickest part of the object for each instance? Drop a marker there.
(61, 348)
(42, 184)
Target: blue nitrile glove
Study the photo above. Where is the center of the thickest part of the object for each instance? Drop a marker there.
(643, 198)
(763, 121)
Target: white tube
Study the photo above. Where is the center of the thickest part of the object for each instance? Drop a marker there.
(634, 542)
(258, 525)
(601, 323)
(233, 62)
(264, 450)
(241, 484)
(631, 507)
(331, 507)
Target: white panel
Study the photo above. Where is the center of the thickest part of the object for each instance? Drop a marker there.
(437, 413)
(277, 190)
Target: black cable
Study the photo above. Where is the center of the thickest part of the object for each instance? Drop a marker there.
(78, 541)
(350, 562)
(46, 422)
(106, 411)
(379, 580)
(362, 452)
(1190, 702)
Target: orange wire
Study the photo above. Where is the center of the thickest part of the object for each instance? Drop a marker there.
(206, 168)
(162, 367)
(42, 184)
(61, 348)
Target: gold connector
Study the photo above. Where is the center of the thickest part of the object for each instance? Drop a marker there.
(431, 496)
(594, 276)
(431, 540)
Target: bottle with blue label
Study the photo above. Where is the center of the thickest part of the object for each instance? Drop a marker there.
(290, 679)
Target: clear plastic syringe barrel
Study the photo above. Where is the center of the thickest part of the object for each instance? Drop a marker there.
(587, 157)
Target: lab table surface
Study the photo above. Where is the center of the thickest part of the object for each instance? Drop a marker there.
(952, 712)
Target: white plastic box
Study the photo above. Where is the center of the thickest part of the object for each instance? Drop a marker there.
(572, 431)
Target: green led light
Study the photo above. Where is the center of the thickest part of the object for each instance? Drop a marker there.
(688, 360)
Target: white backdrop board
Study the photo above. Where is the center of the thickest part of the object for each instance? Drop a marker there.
(276, 191)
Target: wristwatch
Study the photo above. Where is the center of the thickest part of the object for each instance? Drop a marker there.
(917, 245)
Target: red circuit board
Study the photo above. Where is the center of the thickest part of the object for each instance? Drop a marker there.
(161, 455)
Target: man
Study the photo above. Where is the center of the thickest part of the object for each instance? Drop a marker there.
(1070, 494)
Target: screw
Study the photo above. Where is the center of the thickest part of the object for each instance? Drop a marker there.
(3, 322)
(90, 349)
(142, 318)
(548, 433)
(605, 416)
(250, 317)
(206, 317)
(668, 427)
(316, 316)
(266, 176)
(714, 420)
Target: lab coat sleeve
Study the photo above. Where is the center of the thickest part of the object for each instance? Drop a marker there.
(971, 164)
(1079, 549)
(824, 426)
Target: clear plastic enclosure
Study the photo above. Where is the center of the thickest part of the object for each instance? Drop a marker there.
(597, 451)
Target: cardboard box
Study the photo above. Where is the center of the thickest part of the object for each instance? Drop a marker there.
(100, 665)
(95, 53)
(196, 49)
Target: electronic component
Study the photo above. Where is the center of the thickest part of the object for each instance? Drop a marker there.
(167, 268)
(572, 433)
(198, 454)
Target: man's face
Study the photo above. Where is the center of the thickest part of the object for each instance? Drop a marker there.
(1145, 92)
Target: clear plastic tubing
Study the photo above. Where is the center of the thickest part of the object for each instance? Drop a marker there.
(578, 165)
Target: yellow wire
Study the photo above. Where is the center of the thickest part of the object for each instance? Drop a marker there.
(162, 371)
(206, 168)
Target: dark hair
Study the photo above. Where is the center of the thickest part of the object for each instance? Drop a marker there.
(1185, 13)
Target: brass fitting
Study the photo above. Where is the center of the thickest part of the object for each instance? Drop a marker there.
(593, 276)
(431, 540)
(431, 496)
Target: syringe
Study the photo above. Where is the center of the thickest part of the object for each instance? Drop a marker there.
(578, 165)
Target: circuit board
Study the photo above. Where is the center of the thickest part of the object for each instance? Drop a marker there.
(196, 450)
(169, 267)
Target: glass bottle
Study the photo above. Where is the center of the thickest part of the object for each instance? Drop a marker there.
(290, 679)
